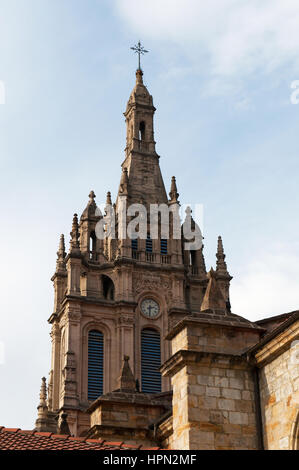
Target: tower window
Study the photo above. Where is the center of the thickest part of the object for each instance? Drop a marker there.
(142, 130)
(149, 244)
(95, 364)
(108, 288)
(150, 361)
(163, 247)
(135, 244)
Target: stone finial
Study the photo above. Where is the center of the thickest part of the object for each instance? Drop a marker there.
(108, 199)
(92, 196)
(61, 254)
(75, 234)
(213, 298)
(42, 406)
(139, 75)
(124, 182)
(221, 267)
(43, 393)
(174, 195)
(126, 380)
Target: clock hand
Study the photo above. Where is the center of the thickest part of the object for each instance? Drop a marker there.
(149, 308)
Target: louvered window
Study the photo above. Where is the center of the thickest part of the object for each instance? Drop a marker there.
(150, 361)
(135, 244)
(149, 244)
(164, 247)
(95, 364)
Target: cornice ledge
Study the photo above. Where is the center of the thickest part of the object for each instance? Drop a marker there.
(275, 346)
(185, 357)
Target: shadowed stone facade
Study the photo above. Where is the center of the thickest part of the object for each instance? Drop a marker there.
(226, 382)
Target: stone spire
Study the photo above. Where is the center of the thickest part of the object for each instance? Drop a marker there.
(221, 268)
(174, 195)
(74, 243)
(43, 394)
(126, 380)
(143, 179)
(213, 299)
(61, 254)
(42, 408)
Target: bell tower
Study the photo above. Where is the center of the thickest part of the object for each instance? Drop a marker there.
(120, 296)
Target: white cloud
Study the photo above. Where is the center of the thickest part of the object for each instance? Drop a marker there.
(240, 37)
(268, 285)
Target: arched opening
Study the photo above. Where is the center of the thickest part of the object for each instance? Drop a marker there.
(150, 361)
(95, 364)
(142, 130)
(93, 246)
(108, 288)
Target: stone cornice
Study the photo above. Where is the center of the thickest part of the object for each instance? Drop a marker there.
(183, 357)
(226, 322)
(275, 343)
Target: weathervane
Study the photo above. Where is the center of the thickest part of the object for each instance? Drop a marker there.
(139, 49)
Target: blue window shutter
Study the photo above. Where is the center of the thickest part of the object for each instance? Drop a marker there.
(149, 244)
(135, 244)
(163, 247)
(95, 364)
(150, 361)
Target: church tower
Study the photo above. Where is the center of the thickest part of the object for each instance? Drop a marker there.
(119, 296)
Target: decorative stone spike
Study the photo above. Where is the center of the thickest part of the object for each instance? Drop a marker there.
(92, 196)
(109, 200)
(221, 267)
(43, 393)
(61, 254)
(126, 380)
(174, 195)
(75, 234)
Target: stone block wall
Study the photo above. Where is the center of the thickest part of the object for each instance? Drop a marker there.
(213, 404)
(279, 390)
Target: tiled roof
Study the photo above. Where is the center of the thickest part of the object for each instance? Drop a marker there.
(16, 439)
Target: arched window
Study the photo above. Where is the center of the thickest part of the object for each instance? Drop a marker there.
(108, 288)
(92, 245)
(142, 130)
(150, 361)
(95, 364)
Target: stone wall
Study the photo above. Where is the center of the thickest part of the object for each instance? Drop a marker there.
(279, 389)
(213, 403)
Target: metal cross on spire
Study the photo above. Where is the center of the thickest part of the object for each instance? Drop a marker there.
(139, 49)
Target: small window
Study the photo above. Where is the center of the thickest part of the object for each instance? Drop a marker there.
(142, 130)
(108, 288)
(149, 244)
(163, 247)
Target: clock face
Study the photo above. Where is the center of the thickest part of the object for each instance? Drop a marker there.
(150, 308)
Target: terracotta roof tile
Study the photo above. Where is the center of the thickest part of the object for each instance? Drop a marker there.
(16, 439)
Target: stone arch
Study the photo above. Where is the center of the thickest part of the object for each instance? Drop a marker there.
(108, 287)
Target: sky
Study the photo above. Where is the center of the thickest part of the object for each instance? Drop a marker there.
(221, 75)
